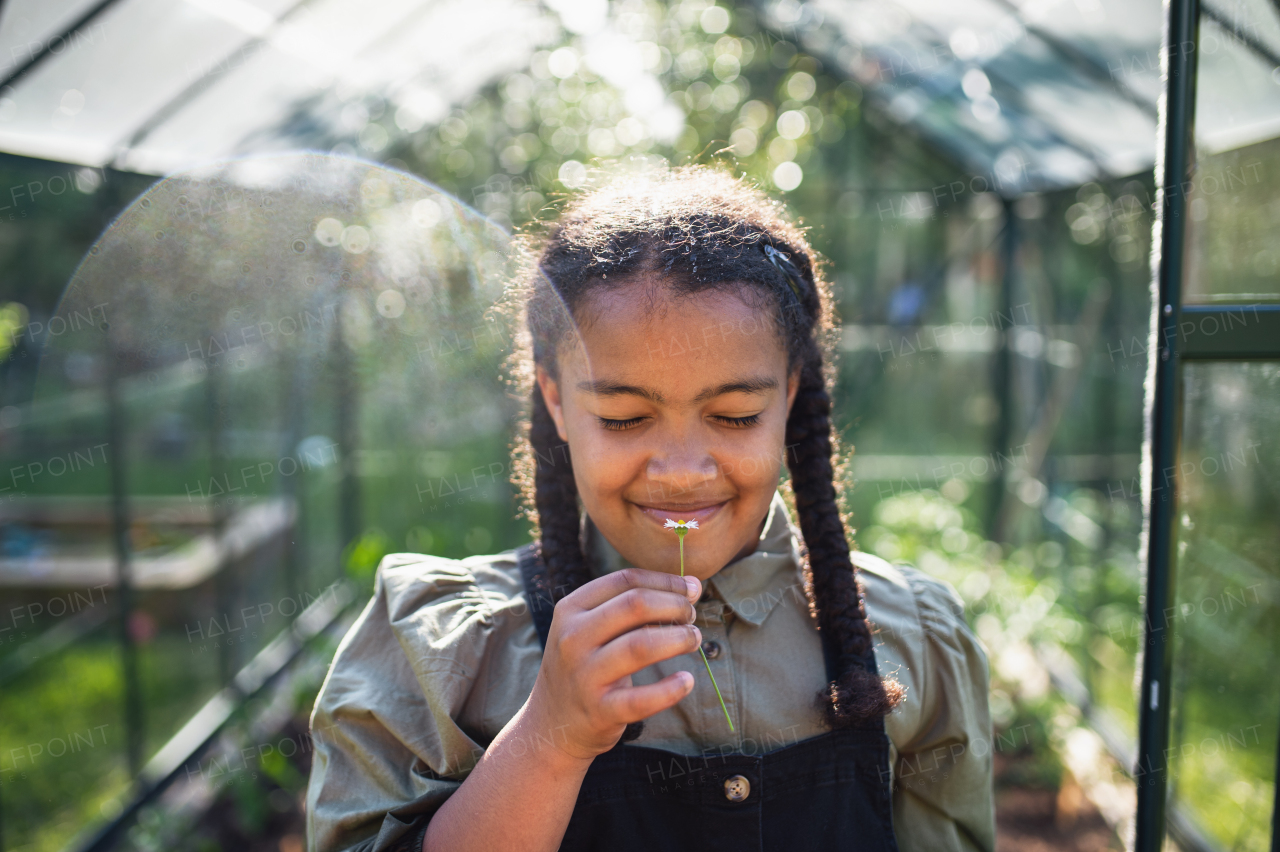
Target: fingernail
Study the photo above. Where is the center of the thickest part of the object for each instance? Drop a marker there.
(697, 635)
(691, 583)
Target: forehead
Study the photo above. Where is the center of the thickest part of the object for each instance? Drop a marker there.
(645, 330)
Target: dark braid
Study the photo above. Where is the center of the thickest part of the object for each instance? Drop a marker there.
(836, 595)
(696, 229)
(556, 488)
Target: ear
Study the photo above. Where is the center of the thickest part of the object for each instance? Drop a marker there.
(793, 386)
(551, 395)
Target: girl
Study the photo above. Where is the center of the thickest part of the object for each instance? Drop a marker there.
(677, 353)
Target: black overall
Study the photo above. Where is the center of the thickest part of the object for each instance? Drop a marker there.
(829, 792)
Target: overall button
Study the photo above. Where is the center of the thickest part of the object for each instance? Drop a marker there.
(736, 788)
(711, 648)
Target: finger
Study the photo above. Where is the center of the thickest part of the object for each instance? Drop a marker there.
(631, 609)
(633, 703)
(601, 589)
(642, 647)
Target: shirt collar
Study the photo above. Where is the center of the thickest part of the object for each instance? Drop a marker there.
(751, 586)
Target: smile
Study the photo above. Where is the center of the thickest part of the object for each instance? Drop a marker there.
(700, 514)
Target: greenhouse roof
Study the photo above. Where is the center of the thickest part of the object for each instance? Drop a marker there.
(153, 86)
(1037, 94)
(1031, 94)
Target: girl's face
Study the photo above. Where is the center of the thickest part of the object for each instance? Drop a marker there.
(680, 416)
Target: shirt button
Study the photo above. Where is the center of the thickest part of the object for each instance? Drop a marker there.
(712, 649)
(736, 788)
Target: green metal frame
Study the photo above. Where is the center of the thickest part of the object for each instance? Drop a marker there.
(1228, 333)
(1213, 332)
(1176, 151)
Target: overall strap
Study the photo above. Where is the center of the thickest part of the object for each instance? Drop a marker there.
(830, 655)
(537, 588)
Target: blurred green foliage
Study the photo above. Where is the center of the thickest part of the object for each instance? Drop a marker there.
(64, 759)
(361, 557)
(1017, 599)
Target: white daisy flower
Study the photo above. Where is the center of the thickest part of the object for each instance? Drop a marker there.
(680, 525)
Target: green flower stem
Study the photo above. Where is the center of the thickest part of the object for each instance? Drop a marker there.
(681, 534)
(713, 683)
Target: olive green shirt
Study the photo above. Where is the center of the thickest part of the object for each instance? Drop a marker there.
(445, 653)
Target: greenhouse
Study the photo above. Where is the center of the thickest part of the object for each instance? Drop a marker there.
(254, 338)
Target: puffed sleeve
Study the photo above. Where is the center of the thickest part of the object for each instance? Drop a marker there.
(944, 798)
(439, 660)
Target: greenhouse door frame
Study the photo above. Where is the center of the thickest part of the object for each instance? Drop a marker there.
(1178, 335)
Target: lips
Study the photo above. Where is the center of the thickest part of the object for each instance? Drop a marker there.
(695, 512)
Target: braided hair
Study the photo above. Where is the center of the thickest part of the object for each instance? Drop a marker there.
(695, 229)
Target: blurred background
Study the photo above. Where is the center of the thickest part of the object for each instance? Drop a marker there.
(235, 376)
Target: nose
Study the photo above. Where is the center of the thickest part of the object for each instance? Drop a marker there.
(681, 467)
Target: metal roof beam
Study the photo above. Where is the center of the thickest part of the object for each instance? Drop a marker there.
(1080, 60)
(1256, 45)
(36, 58)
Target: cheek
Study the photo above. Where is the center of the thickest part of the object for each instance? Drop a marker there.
(755, 460)
(599, 466)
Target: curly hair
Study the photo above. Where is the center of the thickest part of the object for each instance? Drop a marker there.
(695, 229)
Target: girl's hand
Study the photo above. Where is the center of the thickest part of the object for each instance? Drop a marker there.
(601, 634)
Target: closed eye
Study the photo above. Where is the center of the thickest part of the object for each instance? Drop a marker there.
(618, 425)
(622, 425)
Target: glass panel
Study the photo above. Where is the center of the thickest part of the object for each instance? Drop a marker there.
(1122, 37)
(1225, 699)
(85, 102)
(1234, 228)
(302, 361)
(1011, 91)
(317, 59)
(30, 26)
(1233, 223)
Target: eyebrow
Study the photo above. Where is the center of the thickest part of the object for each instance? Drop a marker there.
(608, 387)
